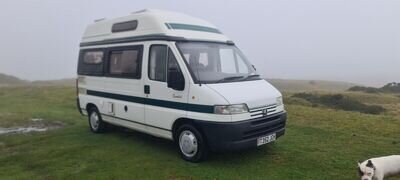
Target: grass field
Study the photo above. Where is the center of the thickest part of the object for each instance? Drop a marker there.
(320, 143)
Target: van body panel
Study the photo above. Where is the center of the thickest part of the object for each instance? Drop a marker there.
(202, 94)
(123, 108)
(257, 93)
(124, 123)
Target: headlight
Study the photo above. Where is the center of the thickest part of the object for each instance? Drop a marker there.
(231, 109)
(279, 101)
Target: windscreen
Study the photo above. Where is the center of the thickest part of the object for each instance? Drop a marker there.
(216, 62)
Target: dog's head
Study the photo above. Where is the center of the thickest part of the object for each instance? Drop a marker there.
(366, 170)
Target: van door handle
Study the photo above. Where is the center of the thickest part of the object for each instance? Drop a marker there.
(146, 89)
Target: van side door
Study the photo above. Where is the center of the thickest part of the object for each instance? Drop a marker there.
(124, 98)
(163, 104)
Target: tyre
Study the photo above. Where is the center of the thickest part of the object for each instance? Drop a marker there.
(191, 143)
(96, 123)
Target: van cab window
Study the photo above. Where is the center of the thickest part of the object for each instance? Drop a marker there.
(158, 63)
(125, 63)
(216, 62)
(172, 63)
(176, 80)
(161, 60)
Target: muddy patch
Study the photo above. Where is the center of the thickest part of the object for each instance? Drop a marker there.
(36, 125)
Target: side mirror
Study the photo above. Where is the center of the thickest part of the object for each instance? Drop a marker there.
(175, 80)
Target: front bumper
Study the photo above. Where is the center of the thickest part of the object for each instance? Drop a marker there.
(241, 135)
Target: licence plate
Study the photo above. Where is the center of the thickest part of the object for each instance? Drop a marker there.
(266, 139)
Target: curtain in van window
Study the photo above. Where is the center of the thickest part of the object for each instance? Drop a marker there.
(124, 62)
(91, 62)
(158, 63)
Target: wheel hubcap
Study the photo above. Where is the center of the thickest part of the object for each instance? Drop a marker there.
(188, 143)
(94, 121)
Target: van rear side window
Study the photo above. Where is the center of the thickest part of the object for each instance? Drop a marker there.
(91, 62)
(93, 57)
(125, 63)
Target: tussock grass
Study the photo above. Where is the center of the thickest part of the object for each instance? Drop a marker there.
(339, 101)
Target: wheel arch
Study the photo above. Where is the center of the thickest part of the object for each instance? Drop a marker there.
(89, 106)
(179, 122)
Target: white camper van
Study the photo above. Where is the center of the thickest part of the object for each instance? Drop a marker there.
(176, 77)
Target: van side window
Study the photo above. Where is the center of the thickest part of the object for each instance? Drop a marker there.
(158, 63)
(93, 57)
(125, 63)
(91, 62)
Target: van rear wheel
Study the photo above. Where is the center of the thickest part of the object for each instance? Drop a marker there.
(191, 144)
(96, 123)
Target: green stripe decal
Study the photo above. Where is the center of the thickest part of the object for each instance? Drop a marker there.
(155, 102)
(192, 27)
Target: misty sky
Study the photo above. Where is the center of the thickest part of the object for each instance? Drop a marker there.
(345, 40)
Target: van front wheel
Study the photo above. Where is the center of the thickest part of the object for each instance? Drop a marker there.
(96, 123)
(191, 144)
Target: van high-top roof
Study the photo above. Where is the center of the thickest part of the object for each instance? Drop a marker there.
(151, 25)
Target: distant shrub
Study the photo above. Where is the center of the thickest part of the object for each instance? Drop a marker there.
(374, 109)
(297, 101)
(306, 96)
(338, 101)
(388, 88)
(365, 89)
(391, 88)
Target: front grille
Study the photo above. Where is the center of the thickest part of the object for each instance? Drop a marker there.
(263, 111)
(263, 130)
(265, 125)
(265, 120)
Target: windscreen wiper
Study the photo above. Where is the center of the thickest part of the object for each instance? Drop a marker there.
(251, 76)
(230, 78)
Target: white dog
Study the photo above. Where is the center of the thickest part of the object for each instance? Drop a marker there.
(378, 168)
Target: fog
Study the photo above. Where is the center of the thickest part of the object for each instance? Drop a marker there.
(344, 40)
